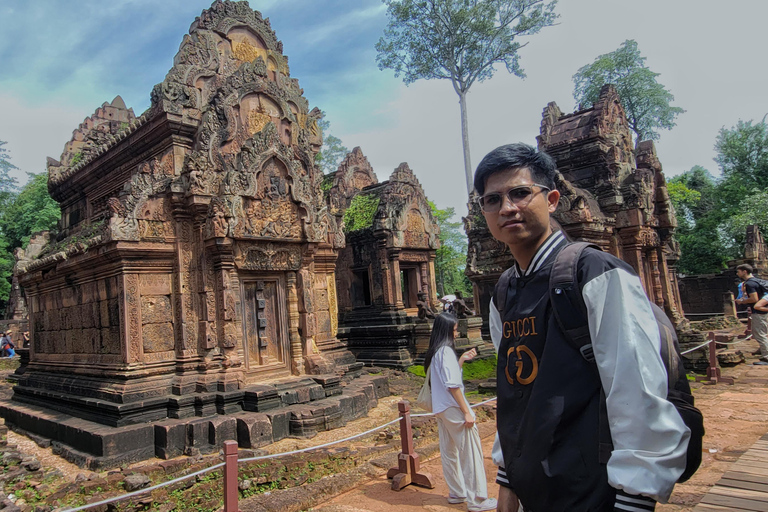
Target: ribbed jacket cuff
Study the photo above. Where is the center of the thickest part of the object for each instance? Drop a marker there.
(501, 478)
(633, 503)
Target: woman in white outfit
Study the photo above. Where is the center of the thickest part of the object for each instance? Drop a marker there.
(460, 449)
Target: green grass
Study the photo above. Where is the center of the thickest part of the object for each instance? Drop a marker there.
(480, 369)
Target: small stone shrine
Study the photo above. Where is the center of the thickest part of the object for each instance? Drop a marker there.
(387, 263)
(193, 274)
(611, 195)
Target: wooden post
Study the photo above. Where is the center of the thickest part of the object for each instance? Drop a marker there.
(407, 470)
(713, 371)
(230, 476)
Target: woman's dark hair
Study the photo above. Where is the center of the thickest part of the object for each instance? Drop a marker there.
(442, 336)
(516, 156)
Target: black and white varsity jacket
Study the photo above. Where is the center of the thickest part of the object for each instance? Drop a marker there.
(549, 395)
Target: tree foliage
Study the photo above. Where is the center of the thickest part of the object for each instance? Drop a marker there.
(459, 40)
(32, 210)
(332, 152)
(647, 102)
(451, 257)
(8, 184)
(712, 227)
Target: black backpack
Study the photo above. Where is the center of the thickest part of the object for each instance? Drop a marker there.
(571, 316)
(763, 284)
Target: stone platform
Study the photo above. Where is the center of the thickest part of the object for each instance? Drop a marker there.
(257, 416)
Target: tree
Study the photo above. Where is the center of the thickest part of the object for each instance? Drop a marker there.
(460, 41)
(742, 154)
(451, 257)
(8, 184)
(333, 151)
(646, 101)
(32, 210)
(694, 196)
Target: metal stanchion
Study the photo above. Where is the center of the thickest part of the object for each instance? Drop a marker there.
(407, 470)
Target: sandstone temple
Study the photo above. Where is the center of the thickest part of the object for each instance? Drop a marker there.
(612, 194)
(201, 285)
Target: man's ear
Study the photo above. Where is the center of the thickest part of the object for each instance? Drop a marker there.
(553, 197)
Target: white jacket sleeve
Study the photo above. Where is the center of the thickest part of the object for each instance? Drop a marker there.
(649, 437)
(494, 323)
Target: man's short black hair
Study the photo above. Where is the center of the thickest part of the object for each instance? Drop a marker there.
(516, 156)
(745, 266)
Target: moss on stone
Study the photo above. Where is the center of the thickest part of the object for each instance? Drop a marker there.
(361, 212)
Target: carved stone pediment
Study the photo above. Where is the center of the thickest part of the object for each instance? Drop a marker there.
(267, 256)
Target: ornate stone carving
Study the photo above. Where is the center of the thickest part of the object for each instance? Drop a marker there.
(267, 256)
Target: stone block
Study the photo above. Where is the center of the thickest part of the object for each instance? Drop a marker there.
(380, 386)
(156, 309)
(253, 430)
(230, 402)
(205, 405)
(321, 299)
(103, 313)
(114, 312)
(198, 435)
(181, 407)
(170, 439)
(281, 422)
(158, 337)
(220, 429)
(323, 321)
(110, 340)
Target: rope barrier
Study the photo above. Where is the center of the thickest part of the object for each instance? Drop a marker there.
(250, 459)
(144, 491)
(695, 348)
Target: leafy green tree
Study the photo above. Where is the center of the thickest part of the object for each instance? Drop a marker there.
(694, 196)
(646, 101)
(451, 257)
(332, 152)
(8, 184)
(753, 209)
(459, 40)
(742, 154)
(32, 210)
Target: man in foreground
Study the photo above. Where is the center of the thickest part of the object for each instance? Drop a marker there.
(549, 396)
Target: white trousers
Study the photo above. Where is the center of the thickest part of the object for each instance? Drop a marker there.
(462, 457)
(760, 331)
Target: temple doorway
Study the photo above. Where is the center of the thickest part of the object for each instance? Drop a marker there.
(266, 326)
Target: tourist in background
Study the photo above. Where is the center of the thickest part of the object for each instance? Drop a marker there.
(460, 449)
(753, 292)
(6, 345)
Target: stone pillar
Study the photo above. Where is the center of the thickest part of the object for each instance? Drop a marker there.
(424, 279)
(729, 305)
(397, 288)
(433, 285)
(131, 319)
(658, 294)
(297, 351)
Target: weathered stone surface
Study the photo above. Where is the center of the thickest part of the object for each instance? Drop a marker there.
(156, 309)
(220, 429)
(253, 430)
(158, 337)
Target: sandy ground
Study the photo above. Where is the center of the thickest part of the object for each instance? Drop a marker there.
(735, 418)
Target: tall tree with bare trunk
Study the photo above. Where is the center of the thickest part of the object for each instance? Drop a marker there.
(460, 41)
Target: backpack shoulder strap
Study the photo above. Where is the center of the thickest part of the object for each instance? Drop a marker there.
(567, 303)
(500, 291)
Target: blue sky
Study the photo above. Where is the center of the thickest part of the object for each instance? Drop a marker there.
(59, 60)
